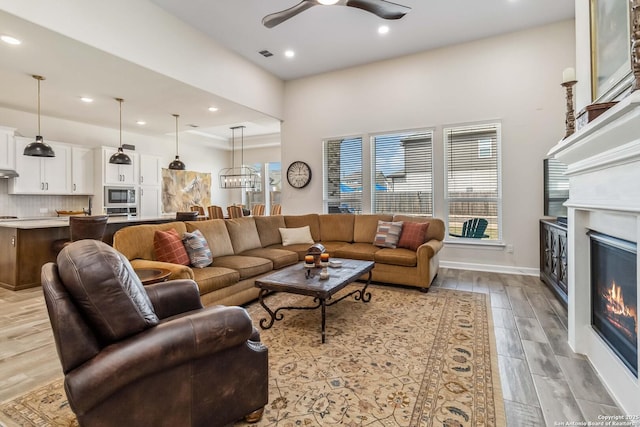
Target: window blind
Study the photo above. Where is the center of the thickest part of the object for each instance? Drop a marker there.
(473, 182)
(343, 175)
(402, 179)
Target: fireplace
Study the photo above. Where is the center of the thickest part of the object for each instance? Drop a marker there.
(614, 310)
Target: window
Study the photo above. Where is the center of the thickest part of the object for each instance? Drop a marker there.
(472, 177)
(343, 175)
(402, 181)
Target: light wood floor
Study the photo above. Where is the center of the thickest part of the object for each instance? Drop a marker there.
(543, 381)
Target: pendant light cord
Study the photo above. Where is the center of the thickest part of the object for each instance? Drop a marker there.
(120, 102)
(176, 116)
(38, 105)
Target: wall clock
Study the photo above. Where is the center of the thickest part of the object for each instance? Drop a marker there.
(299, 174)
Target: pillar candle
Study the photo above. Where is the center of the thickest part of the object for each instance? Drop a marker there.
(568, 75)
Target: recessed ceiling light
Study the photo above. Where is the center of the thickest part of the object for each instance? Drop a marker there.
(86, 99)
(289, 53)
(327, 2)
(383, 29)
(10, 40)
(213, 109)
(141, 122)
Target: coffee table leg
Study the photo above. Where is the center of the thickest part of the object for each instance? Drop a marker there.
(324, 317)
(363, 294)
(266, 323)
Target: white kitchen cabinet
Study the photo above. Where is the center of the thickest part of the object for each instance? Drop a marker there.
(118, 174)
(82, 170)
(7, 148)
(42, 175)
(150, 202)
(149, 171)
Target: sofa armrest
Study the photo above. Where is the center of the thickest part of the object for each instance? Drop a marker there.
(431, 247)
(203, 333)
(174, 297)
(177, 271)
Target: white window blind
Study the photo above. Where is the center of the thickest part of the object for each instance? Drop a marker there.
(472, 178)
(343, 175)
(403, 173)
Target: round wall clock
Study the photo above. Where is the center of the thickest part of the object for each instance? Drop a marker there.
(298, 174)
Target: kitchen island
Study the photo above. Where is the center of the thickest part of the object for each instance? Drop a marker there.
(26, 245)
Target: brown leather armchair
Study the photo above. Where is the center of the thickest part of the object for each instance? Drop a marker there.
(153, 356)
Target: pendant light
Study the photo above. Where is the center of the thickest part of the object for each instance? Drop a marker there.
(238, 177)
(38, 148)
(177, 164)
(120, 158)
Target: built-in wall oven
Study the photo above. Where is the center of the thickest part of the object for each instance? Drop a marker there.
(120, 201)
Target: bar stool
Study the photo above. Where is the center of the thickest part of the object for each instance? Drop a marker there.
(83, 227)
(215, 212)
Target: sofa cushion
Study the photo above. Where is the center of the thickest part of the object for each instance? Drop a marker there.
(211, 279)
(336, 227)
(268, 229)
(388, 234)
(366, 225)
(312, 220)
(106, 290)
(332, 247)
(413, 235)
(279, 257)
(363, 251)
(300, 250)
(136, 241)
(247, 266)
(197, 249)
(217, 236)
(168, 247)
(296, 236)
(243, 234)
(398, 256)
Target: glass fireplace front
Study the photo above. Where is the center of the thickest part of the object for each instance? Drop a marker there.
(614, 295)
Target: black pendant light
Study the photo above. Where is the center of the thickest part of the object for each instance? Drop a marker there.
(38, 148)
(120, 158)
(177, 164)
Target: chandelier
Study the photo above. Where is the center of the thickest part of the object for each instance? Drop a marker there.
(242, 176)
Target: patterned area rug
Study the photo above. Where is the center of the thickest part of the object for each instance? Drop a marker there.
(404, 359)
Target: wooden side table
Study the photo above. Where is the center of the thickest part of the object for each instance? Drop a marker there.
(149, 276)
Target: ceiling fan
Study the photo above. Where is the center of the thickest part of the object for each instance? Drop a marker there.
(384, 9)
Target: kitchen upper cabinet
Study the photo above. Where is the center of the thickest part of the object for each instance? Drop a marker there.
(118, 174)
(150, 199)
(7, 148)
(82, 170)
(42, 175)
(149, 173)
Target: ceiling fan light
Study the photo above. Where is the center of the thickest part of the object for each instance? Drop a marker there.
(39, 148)
(327, 2)
(120, 158)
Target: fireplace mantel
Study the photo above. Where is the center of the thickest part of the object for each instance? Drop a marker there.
(603, 165)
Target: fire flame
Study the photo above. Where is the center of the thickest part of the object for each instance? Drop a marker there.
(616, 304)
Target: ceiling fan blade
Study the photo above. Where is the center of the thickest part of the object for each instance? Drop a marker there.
(384, 9)
(274, 19)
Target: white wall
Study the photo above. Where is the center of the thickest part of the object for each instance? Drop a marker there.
(513, 78)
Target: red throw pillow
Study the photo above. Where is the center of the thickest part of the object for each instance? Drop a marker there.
(168, 247)
(413, 235)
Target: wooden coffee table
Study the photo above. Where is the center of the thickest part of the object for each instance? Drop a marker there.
(293, 280)
(149, 276)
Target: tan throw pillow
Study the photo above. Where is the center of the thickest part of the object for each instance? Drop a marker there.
(295, 236)
(168, 247)
(388, 234)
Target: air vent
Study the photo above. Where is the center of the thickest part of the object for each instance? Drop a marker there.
(193, 126)
(129, 147)
(265, 53)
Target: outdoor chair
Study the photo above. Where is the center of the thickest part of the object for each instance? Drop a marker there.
(473, 229)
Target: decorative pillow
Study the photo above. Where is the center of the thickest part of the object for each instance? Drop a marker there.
(413, 235)
(388, 234)
(197, 249)
(295, 236)
(168, 247)
(105, 289)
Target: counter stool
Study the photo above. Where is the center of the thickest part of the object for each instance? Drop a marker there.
(83, 227)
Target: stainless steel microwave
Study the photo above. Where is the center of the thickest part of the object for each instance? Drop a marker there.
(119, 196)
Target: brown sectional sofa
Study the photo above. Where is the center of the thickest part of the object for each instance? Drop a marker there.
(245, 249)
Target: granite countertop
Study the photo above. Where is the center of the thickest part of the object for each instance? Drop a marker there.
(51, 222)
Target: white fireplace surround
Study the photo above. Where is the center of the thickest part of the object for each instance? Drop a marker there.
(603, 161)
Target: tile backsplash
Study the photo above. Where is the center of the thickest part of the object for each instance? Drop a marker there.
(30, 206)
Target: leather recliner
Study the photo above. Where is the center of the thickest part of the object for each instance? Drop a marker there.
(149, 356)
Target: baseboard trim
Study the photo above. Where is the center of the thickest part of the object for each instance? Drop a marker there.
(527, 271)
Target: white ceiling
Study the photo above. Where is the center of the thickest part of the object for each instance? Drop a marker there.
(333, 37)
(324, 38)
